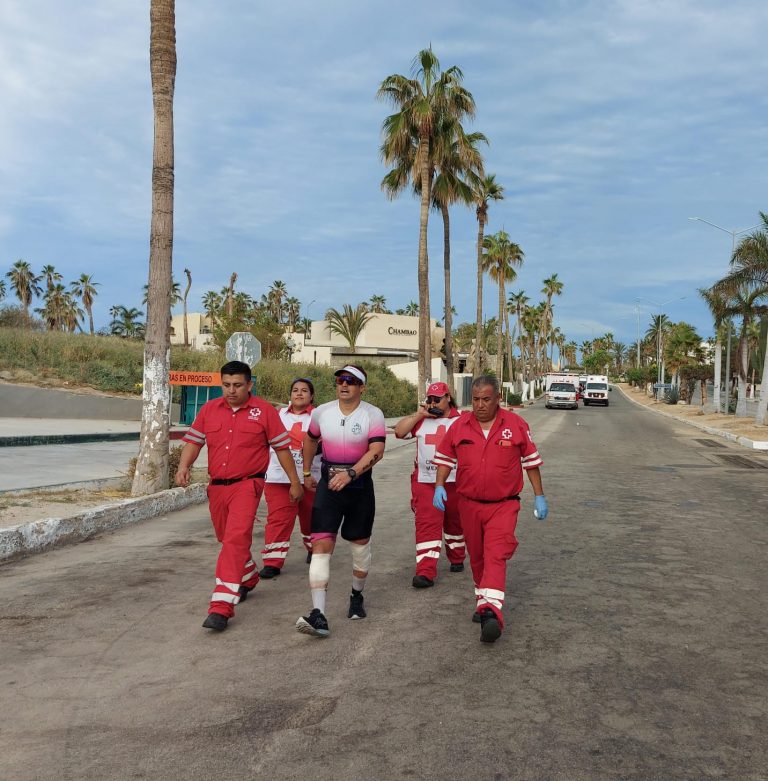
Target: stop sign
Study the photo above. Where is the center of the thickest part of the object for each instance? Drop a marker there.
(243, 346)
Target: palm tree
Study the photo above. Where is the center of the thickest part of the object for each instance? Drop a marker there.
(485, 189)
(428, 101)
(151, 473)
(655, 334)
(60, 312)
(212, 305)
(411, 309)
(126, 322)
(349, 323)
(277, 292)
(84, 288)
(682, 348)
(378, 305)
(717, 307)
(292, 311)
(552, 287)
(500, 259)
(516, 303)
(24, 283)
(619, 355)
(2, 289)
(50, 275)
(176, 296)
(188, 274)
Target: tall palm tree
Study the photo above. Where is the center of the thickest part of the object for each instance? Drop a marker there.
(500, 259)
(24, 283)
(292, 311)
(277, 292)
(620, 351)
(423, 103)
(411, 309)
(552, 287)
(349, 323)
(84, 287)
(717, 306)
(50, 275)
(151, 473)
(516, 303)
(212, 305)
(126, 322)
(188, 274)
(2, 289)
(57, 308)
(485, 189)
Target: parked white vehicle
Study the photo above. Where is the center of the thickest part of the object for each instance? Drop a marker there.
(551, 377)
(596, 390)
(561, 394)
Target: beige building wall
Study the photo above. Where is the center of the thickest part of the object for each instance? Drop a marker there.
(198, 329)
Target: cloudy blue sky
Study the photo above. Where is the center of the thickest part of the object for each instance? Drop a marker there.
(610, 124)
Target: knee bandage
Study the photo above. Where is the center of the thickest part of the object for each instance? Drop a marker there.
(361, 557)
(319, 570)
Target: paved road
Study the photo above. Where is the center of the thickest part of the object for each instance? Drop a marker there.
(635, 646)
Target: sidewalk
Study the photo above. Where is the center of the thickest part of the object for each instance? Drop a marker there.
(742, 431)
(23, 432)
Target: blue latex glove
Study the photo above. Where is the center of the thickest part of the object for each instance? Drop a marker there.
(440, 498)
(540, 507)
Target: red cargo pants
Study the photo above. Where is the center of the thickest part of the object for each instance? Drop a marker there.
(489, 530)
(233, 510)
(432, 525)
(281, 518)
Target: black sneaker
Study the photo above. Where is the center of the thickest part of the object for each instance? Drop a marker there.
(422, 581)
(244, 591)
(314, 624)
(356, 609)
(457, 567)
(309, 557)
(269, 572)
(215, 621)
(490, 631)
(476, 618)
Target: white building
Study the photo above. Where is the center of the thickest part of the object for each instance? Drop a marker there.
(198, 329)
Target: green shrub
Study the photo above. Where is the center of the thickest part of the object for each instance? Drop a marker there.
(515, 399)
(672, 396)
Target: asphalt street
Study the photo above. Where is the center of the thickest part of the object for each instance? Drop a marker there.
(634, 648)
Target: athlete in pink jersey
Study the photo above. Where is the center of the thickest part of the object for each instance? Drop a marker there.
(428, 426)
(353, 434)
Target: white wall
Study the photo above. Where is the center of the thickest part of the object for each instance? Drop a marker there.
(410, 371)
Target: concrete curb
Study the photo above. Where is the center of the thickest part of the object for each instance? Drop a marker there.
(751, 444)
(38, 536)
(77, 439)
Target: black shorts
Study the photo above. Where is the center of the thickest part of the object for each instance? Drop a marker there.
(352, 509)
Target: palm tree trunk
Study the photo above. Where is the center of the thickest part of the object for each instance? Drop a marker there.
(186, 293)
(762, 404)
(509, 345)
(500, 331)
(448, 319)
(425, 336)
(741, 401)
(477, 368)
(718, 373)
(90, 318)
(152, 463)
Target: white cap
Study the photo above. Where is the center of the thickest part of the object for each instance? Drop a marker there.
(354, 371)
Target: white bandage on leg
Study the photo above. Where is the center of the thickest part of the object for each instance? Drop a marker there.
(320, 570)
(361, 557)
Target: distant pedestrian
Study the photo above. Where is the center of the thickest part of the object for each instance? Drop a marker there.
(353, 435)
(281, 509)
(239, 430)
(428, 425)
(491, 447)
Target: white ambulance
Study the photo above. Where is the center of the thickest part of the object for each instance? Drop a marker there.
(596, 390)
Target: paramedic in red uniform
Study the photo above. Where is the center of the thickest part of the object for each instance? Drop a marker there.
(428, 426)
(239, 430)
(281, 509)
(490, 447)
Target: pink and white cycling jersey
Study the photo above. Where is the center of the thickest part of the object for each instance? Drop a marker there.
(346, 437)
(296, 424)
(428, 433)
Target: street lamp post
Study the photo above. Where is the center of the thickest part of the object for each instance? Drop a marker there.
(733, 234)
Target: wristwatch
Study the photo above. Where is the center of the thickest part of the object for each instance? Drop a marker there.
(307, 474)
(352, 474)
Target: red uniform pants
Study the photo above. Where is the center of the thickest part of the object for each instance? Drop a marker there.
(233, 510)
(281, 518)
(432, 524)
(489, 530)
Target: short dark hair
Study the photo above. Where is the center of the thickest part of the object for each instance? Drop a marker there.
(306, 381)
(486, 379)
(237, 367)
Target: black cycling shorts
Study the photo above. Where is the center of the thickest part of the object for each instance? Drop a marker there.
(350, 510)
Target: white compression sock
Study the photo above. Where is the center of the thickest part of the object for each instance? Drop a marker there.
(358, 583)
(318, 598)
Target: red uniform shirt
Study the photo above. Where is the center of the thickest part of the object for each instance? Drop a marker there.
(491, 469)
(238, 441)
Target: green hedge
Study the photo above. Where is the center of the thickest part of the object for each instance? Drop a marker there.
(112, 364)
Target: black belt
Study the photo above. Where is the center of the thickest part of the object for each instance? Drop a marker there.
(496, 501)
(231, 480)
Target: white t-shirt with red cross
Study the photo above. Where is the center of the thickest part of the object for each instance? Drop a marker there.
(428, 433)
(296, 424)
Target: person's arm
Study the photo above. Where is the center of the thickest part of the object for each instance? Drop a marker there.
(189, 454)
(373, 455)
(442, 475)
(308, 453)
(534, 475)
(286, 461)
(406, 425)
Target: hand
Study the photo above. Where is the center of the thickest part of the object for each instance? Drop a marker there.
(182, 476)
(339, 481)
(440, 498)
(540, 507)
(296, 492)
(310, 484)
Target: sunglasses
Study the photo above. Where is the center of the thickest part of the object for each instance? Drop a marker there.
(346, 379)
(434, 399)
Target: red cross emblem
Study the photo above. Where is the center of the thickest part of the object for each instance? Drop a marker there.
(296, 434)
(436, 438)
(507, 434)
